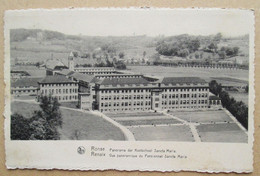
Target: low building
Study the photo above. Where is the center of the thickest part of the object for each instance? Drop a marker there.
(61, 87)
(17, 74)
(25, 86)
(215, 102)
(95, 70)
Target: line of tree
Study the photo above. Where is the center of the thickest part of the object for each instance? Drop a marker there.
(237, 108)
(181, 48)
(43, 125)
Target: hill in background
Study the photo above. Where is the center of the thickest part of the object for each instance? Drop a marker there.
(35, 45)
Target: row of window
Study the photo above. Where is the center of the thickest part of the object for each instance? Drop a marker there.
(59, 91)
(136, 103)
(94, 69)
(149, 90)
(93, 72)
(125, 97)
(184, 102)
(64, 98)
(126, 91)
(59, 85)
(185, 107)
(215, 102)
(117, 76)
(23, 91)
(125, 109)
(184, 89)
(185, 95)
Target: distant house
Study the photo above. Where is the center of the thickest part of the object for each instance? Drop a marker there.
(53, 66)
(17, 74)
(25, 86)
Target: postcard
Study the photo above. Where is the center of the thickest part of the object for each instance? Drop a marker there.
(148, 89)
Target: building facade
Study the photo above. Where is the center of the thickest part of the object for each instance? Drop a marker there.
(138, 94)
(64, 89)
(25, 86)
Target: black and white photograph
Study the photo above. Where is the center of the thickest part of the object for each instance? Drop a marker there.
(157, 75)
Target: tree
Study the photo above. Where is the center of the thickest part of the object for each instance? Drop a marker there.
(213, 47)
(236, 50)
(20, 127)
(215, 88)
(120, 65)
(144, 54)
(45, 122)
(183, 53)
(197, 55)
(121, 55)
(37, 64)
(246, 88)
(222, 54)
(217, 37)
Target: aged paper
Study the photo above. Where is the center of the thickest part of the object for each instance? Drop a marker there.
(130, 89)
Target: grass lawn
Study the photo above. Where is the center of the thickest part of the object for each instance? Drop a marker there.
(148, 122)
(203, 116)
(69, 104)
(165, 133)
(86, 125)
(229, 132)
(25, 97)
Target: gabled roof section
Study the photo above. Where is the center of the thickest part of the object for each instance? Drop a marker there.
(182, 80)
(53, 63)
(81, 76)
(123, 81)
(26, 82)
(56, 79)
(66, 72)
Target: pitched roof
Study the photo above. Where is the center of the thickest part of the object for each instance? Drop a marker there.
(81, 76)
(26, 82)
(182, 80)
(123, 81)
(95, 80)
(52, 63)
(56, 79)
(66, 72)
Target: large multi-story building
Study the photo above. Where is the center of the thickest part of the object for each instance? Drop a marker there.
(139, 94)
(64, 89)
(108, 90)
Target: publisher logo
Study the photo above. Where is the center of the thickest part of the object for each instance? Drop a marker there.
(81, 150)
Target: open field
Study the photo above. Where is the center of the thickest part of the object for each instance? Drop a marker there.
(228, 132)
(203, 116)
(239, 96)
(24, 97)
(69, 104)
(163, 133)
(205, 73)
(86, 125)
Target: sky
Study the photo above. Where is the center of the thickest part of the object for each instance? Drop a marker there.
(128, 22)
